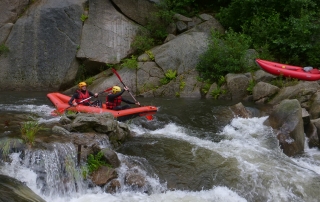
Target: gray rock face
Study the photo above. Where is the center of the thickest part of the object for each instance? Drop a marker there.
(10, 10)
(303, 91)
(42, 46)
(182, 52)
(106, 34)
(137, 10)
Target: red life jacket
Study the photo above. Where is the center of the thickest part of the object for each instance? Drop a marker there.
(83, 96)
(114, 103)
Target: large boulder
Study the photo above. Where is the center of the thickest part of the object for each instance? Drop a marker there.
(137, 10)
(315, 106)
(42, 46)
(286, 120)
(9, 13)
(106, 35)
(262, 91)
(182, 53)
(11, 9)
(302, 91)
(237, 85)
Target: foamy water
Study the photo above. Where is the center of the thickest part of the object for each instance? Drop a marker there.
(265, 170)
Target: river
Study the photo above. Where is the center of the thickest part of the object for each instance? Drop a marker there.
(193, 150)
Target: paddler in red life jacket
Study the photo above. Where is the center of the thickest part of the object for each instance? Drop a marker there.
(81, 94)
(114, 99)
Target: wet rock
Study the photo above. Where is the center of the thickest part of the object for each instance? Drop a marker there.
(113, 186)
(286, 120)
(60, 130)
(315, 106)
(110, 157)
(239, 110)
(103, 175)
(134, 178)
(312, 134)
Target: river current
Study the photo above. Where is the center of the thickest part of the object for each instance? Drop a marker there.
(193, 150)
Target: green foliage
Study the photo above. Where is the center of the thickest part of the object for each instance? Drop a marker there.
(205, 88)
(29, 129)
(130, 63)
(94, 162)
(169, 75)
(154, 32)
(216, 92)
(83, 17)
(150, 54)
(180, 6)
(6, 144)
(142, 42)
(4, 49)
(221, 81)
(182, 85)
(251, 85)
(289, 28)
(89, 81)
(225, 54)
(282, 81)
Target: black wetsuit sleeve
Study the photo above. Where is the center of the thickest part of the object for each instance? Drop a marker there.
(91, 93)
(127, 101)
(75, 96)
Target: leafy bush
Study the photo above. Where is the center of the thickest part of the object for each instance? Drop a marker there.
(169, 75)
(225, 54)
(250, 87)
(180, 6)
(142, 42)
(83, 17)
(94, 162)
(130, 63)
(289, 28)
(29, 129)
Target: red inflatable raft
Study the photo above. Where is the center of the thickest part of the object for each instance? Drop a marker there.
(60, 101)
(289, 70)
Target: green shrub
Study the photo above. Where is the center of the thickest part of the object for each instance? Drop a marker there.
(94, 162)
(83, 17)
(150, 54)
(251, 85)
(289, 28)
(282, 81)
(130, 63)
(180, 6)
(29, 129)
(142, 43)
(225, 54)
(169, 75)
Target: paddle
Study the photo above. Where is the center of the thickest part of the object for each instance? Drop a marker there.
(62, 110)
(116, 73)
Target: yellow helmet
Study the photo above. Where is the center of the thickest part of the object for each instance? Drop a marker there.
(116, 89)
(81, 84)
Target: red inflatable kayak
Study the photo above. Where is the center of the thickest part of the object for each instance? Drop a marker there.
(289, 70)
(60, 101)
